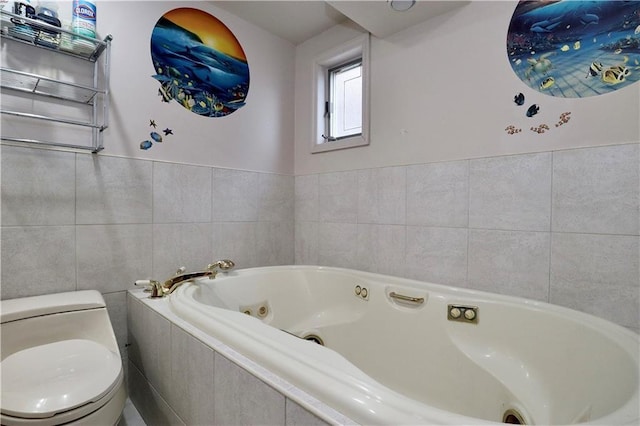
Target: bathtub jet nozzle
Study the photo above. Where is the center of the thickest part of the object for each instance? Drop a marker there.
(181, 277)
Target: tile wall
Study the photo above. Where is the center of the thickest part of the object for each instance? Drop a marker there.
(75, 221)
(176, 378)
(561, 227)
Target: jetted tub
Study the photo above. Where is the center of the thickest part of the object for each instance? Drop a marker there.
(399, 351)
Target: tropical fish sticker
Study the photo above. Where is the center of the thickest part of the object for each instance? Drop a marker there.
(547, 82)
(551, 43)
(533, 110)
(594, 69)
(518, 99)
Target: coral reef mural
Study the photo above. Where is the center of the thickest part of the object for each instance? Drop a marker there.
(575, 49)
(199, 63)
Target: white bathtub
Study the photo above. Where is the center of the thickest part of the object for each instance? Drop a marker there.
(389, 361)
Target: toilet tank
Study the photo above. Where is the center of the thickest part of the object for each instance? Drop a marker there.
(38, 320)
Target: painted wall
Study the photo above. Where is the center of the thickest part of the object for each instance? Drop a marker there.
(444, 194)
(443, 90)
(75, 221)
(257, 137)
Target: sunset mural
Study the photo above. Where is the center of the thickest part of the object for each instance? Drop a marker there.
(199, 63)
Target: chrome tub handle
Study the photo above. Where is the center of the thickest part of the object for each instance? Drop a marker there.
(409, 299)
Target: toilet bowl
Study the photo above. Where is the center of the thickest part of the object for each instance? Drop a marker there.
(60, 361)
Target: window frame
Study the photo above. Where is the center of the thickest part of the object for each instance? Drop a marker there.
(330, 59)
(331, 108)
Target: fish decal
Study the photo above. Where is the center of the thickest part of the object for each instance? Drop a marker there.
(616, 74)
(157, 137)
(145, 145)
(594, 69)
(533, 110)
(547, 82)
(519, 99)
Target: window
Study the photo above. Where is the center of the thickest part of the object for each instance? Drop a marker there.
(343, 107)
(341, 110)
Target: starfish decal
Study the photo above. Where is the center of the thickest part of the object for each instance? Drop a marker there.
(168, 131)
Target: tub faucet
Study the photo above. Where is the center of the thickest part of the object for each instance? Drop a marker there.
(181, 277)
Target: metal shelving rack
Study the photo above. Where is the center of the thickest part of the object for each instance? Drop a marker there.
(38, 34)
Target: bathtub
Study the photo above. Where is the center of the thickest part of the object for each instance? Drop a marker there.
(387, 350)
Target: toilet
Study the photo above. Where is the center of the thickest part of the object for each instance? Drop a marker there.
(60, 361)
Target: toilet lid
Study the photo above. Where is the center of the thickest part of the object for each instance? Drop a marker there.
(42, 381)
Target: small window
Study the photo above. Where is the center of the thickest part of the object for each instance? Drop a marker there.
(341, 110)
(343, 107)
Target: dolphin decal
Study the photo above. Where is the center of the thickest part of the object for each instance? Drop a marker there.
(547, 25)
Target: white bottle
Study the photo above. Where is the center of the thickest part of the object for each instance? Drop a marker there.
(83, 18)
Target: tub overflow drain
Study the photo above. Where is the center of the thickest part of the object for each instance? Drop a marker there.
(315, 339)
(513, 417)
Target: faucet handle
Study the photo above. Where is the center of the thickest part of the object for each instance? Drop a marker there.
(181, 270)
(152, 286)
(223, 264)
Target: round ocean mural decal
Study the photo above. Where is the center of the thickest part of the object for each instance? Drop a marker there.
(199, 63)
(575, 49)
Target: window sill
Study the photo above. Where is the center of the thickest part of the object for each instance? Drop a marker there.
(350, 142)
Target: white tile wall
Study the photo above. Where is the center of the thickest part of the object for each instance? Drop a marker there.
(437, 255)
(37, 189)
(338, 197)
(109, 258)
(191, 377)
(235, 195)
(382, 195)
(338, 244)
(509, 262)
(176, 379)
(511, 192)
(597, 274)
(37, 259)
(181, 193)
(516, 225)
(306, 198)
(181, 244)
(380, 248)
(113, 190)
(276, 198)
(246, 400)
(74, 221)
(438, 194)
(596, 190)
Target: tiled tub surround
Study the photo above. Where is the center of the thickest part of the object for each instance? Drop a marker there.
(179, 375)
(75, 221)
(560, 227)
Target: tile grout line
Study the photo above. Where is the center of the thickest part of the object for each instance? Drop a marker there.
(550, 228)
